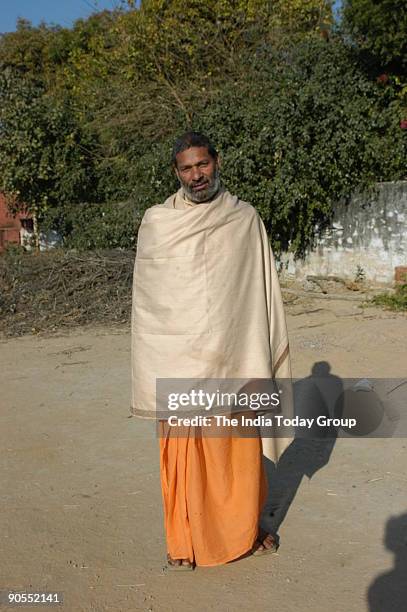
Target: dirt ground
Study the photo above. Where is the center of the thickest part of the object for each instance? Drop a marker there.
(80, 496)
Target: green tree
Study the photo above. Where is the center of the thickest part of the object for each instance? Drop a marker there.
(88, 115)
(45, 158)
(379, 27)
(303, 130)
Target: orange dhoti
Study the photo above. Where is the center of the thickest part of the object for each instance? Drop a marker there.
(213, 491)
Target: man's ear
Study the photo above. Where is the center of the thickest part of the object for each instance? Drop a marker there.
(219, 161)
(174, 167)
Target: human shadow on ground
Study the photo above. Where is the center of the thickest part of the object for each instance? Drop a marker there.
(388, 592)
(315, 395)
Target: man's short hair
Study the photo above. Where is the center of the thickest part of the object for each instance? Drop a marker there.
(192, 139)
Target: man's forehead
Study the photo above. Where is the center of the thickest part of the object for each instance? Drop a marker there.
(192, 156)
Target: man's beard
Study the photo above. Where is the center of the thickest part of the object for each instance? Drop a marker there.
(203, 195)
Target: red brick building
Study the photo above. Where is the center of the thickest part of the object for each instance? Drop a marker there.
(12, 228)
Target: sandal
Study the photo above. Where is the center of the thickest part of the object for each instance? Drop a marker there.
(181, 566)
(257, 551)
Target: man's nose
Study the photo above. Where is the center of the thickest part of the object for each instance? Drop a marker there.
(196, 173)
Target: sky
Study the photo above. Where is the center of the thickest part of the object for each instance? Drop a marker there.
(60, 12)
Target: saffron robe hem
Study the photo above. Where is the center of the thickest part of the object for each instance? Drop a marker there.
(213, 492)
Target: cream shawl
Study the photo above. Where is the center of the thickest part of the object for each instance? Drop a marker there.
(206, 301)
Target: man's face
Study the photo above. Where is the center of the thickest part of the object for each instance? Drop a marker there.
(198, 173)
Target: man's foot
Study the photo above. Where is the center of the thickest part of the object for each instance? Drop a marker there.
(179, 564)
(266, 543)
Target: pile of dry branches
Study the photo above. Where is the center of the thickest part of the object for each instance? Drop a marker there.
(55, 289)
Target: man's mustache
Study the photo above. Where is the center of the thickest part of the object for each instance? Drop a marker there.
(199, 183)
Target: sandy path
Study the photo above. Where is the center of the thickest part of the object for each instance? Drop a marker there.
(80, 498)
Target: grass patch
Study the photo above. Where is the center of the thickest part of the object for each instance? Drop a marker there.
(393, 301)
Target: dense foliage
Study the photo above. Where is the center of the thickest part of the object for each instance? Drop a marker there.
(301, 131)
(379, 27)
(88, 114)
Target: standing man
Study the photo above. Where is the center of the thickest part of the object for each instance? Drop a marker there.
(207, 305)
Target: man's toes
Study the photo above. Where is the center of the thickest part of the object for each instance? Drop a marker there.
(258, 546)
(172, 561)
(269, 542)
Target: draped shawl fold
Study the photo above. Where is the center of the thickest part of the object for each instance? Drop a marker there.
(206, 301)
